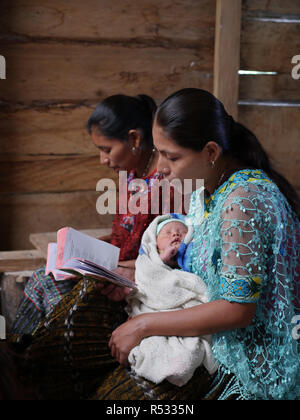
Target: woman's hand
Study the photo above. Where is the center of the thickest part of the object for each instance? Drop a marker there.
(127, 272)
(115, 293)
(126, 337)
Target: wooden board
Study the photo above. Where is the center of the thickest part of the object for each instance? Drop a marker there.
(227, 65)
(278, 130)
(267, 46)
(23, 214)
(278, 87)
(62, 174)
(47, 72)
(271, 6)
(43, 131)
(21, 260)
(111, 20)
(11, 295)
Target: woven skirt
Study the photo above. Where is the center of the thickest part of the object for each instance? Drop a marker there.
(42, 293)
(69, 357)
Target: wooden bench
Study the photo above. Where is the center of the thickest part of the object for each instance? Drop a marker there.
(16, 267)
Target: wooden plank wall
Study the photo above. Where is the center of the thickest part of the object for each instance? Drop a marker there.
(63, 57)
(269, 40)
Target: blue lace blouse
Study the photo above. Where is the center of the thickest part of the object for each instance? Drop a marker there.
(246, 249)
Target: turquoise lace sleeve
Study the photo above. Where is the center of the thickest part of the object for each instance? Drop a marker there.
(242, 269)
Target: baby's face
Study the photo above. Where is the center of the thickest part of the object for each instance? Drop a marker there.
(172, 234)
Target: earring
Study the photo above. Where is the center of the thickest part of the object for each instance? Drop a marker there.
(135, 151)
(213, 163)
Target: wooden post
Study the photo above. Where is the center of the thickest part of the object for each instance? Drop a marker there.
(11, 295)
(227, 54)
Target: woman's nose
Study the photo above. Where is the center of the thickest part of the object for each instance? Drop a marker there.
(162, 167)
(103, 159)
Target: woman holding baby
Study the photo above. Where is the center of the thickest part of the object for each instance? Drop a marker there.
(245, 249)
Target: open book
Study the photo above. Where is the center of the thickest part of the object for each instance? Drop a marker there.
(78, 255)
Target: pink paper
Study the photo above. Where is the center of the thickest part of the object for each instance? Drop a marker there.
(61, 242)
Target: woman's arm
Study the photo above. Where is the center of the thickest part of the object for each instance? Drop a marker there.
(127, 264)
(205, 319)
(200, 320)
(117, 294)
(106, 238)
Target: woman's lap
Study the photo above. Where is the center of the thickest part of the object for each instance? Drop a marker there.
(69, 357)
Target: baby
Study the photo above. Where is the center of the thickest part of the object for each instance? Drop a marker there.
(165, 282)
(170, 235)
(170, 243)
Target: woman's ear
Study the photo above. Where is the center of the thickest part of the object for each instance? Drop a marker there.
(213, 151)
(135, 139)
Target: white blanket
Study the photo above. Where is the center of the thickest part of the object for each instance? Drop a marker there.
(161, 288)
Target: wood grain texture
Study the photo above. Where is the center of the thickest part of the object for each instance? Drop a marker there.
(23, 214)
(267, 46)
(271, 6)
(278, 131)
(54, 130)
(226, 66)
(106, 19)
(277, 87)
(21, 260)
(64, 174)
(74, 73)
(11, 295)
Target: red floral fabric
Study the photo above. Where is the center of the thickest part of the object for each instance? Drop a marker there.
(128, 228)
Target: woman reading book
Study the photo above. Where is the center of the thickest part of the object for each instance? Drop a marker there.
(121, 128)
(246, 249)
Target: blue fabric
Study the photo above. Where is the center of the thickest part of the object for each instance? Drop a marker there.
(184, 256)
(247, 250)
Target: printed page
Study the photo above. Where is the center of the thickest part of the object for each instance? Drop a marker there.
(88, 269)
(51, 258)
(79, 245)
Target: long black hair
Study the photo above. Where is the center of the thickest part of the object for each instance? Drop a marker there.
(118, 114)
(193, 117)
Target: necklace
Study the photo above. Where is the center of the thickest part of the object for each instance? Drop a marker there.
(149, 163)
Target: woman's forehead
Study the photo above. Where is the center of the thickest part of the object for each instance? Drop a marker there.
(162, 142)
(100, 140)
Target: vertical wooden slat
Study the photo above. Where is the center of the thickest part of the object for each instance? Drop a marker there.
(227, 54)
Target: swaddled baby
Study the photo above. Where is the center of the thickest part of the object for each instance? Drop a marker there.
(163, 286)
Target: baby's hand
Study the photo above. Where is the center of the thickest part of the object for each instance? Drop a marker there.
(168, 254)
